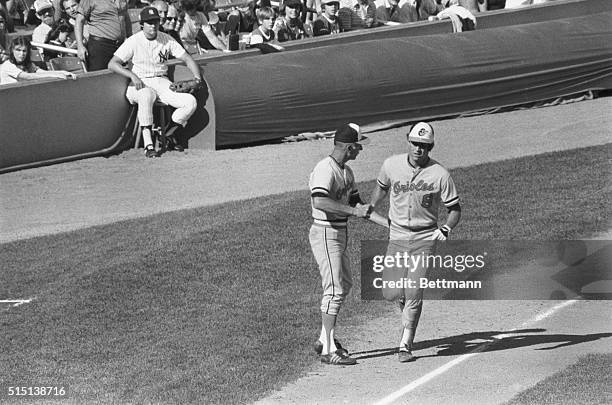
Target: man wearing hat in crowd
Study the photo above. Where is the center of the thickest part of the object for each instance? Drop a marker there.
(417, 185)
(290, 27)
(108, 24)
(148, 50)
(334, 197)
(328, 22)
(45, 11)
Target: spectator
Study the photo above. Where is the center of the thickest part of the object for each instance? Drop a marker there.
(290, 26)
(427, 8)
(328, 23)
(194, 22)
(148, 50)
(241, 19)
(388, 11)
(59, 37)
(4, 56)
(313, 5)
(473, 6)
(70, 14)
(168, 19)
(264, 33)
(7, 11)
(109, 25)
(462, 18)
(406, 11)
(19, 67)
(162, 8)
(3, 31)
(44, 11)
(358, 14)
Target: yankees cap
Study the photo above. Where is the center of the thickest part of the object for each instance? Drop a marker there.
(421, 132)
(350, 133)
(149, 14)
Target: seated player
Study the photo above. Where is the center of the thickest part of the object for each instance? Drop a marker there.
(148, 50)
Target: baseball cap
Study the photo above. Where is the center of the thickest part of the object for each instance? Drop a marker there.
(149, 14)
(293, 3)
(41, 5)
(421, 132)
(330, 1)
(350, 133)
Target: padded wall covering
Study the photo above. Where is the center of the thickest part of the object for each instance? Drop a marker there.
(275, 95)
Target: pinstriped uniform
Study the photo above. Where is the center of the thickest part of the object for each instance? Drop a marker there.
(148, 58)
(328, 234)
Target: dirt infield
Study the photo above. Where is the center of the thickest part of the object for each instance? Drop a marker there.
(97, 191)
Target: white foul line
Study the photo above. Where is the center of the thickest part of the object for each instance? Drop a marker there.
(16, 303)
(389, 399)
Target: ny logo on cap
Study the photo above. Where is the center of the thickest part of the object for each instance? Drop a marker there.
(151, 12)
(423, 132)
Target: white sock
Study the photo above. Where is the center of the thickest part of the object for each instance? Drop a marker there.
(146, 136)
(327, 348)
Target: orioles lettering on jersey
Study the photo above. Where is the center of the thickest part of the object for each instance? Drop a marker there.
(398, 187)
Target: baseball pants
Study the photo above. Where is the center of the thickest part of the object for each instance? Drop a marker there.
(416, 244)
(329, 248)
(159, 87)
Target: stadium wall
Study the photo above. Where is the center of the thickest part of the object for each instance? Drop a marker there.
(407, 72)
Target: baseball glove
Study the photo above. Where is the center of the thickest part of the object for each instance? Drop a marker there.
(187, 86)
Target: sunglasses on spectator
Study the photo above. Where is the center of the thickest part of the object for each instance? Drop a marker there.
(171, 18)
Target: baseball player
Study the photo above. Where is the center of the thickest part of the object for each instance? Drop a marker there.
(334, 198)
(148, 50)
(416, 185)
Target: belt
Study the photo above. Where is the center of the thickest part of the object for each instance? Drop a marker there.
(415, 228)
(101, 39)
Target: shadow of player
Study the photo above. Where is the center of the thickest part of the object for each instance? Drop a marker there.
(489, 341)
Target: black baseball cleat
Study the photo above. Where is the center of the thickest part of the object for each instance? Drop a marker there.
(174, 145)
(150, 153)
(338, 358)
(318, 347)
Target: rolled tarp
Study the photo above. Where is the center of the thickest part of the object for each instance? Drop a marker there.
(281, 94)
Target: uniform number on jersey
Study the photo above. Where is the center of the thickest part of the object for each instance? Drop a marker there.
(427, 200)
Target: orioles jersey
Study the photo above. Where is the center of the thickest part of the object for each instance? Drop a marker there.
(416, 192)
(331, 180)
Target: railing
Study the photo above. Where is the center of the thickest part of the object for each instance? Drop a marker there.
(55, 48)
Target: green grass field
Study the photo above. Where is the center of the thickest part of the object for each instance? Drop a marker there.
(220, 304)
(587, 382)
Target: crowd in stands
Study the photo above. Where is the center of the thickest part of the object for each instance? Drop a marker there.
(94, 29)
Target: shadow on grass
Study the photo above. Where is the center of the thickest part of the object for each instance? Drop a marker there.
(488, 342)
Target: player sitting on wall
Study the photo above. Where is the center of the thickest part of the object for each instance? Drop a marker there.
(149, 50)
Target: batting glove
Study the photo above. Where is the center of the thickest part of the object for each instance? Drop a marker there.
(442, 233)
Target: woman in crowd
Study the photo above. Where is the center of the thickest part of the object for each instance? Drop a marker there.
(19, 67)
